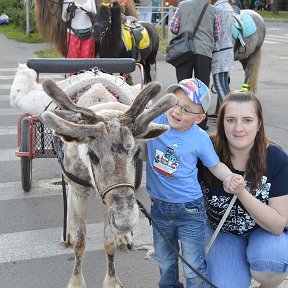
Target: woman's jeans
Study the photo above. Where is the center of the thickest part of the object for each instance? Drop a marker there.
(232, 256)
(183, 224)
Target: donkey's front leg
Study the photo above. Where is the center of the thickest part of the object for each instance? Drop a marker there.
(111, 279)
(79, 204)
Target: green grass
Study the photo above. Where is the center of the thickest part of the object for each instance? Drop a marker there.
(268, 15)
(14, 33)
(49, 53)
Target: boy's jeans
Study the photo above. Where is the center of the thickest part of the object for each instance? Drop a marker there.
(183, 222)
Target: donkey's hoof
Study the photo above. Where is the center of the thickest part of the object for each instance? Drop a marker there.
(67, 243)
(77, 282)
(112, 282)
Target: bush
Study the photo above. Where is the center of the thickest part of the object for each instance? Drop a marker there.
(5, 5)
(16, 11)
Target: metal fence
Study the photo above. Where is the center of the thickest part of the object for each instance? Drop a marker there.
(164, 15)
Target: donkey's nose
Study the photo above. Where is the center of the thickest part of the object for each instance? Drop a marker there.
(124, 222)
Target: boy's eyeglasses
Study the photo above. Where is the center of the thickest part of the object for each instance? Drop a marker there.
(186, 110)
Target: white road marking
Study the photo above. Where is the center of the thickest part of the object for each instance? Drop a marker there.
(8, 155)
(42, 243)
(8, 130)
(40, 188)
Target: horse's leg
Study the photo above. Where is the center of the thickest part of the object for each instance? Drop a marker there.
(147, 68)
(79, 203)
(154, 72)
(111, 279)
(251, 70)
(129, 79)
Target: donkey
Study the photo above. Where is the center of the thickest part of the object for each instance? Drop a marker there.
(101, 148)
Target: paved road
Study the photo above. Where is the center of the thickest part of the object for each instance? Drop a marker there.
(30, 223)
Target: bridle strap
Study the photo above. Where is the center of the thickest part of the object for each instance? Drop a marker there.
(107, 190)
(103, 29)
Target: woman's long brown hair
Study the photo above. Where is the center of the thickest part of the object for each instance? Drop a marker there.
(256, 165)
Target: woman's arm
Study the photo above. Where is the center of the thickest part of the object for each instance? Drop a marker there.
(175, 22)
(65, 15)
(272, 217)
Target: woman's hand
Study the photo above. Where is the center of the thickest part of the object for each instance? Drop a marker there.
(234, 184)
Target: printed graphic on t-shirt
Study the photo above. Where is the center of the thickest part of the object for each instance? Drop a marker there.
(239, 221)
(165, 162)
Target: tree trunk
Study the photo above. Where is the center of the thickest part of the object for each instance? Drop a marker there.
(274, 4)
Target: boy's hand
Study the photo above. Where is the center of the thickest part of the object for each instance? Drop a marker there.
(234, 184)
(227, 181)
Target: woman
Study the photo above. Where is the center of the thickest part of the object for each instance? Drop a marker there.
(79, 15)
(253, 240)
(223, 54)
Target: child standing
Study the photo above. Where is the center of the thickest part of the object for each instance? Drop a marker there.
(177, 201)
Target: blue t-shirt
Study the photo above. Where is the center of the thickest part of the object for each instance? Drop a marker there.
(171, 163)
(239, 221)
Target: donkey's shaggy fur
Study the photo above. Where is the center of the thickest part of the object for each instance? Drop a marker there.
(102, 150)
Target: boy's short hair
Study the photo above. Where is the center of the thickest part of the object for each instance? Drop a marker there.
(196, 90)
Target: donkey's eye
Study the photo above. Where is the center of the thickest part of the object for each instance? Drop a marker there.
(93, 157)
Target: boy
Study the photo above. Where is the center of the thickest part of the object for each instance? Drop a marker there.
(177, 201)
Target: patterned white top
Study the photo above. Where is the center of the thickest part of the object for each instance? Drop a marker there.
(223, 54)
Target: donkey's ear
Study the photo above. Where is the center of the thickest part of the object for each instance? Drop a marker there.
(154, 130)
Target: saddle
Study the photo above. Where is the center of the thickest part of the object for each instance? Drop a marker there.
(243, 26)
(134, 35)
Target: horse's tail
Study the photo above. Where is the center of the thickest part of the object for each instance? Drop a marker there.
(49, 22)
(255, 71)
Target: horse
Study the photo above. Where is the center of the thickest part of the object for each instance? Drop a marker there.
(110, 35)
(249, 55)
(53, 29)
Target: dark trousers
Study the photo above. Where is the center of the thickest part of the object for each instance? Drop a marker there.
(200, 66)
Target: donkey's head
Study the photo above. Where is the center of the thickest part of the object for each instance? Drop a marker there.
(107, 145)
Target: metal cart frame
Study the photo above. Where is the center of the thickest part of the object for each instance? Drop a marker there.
(34, 140)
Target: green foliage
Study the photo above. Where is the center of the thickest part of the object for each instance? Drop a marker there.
(17, 13)
(5, 5)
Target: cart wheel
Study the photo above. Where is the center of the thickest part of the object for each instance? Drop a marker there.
(26, 162)
(138, 173)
